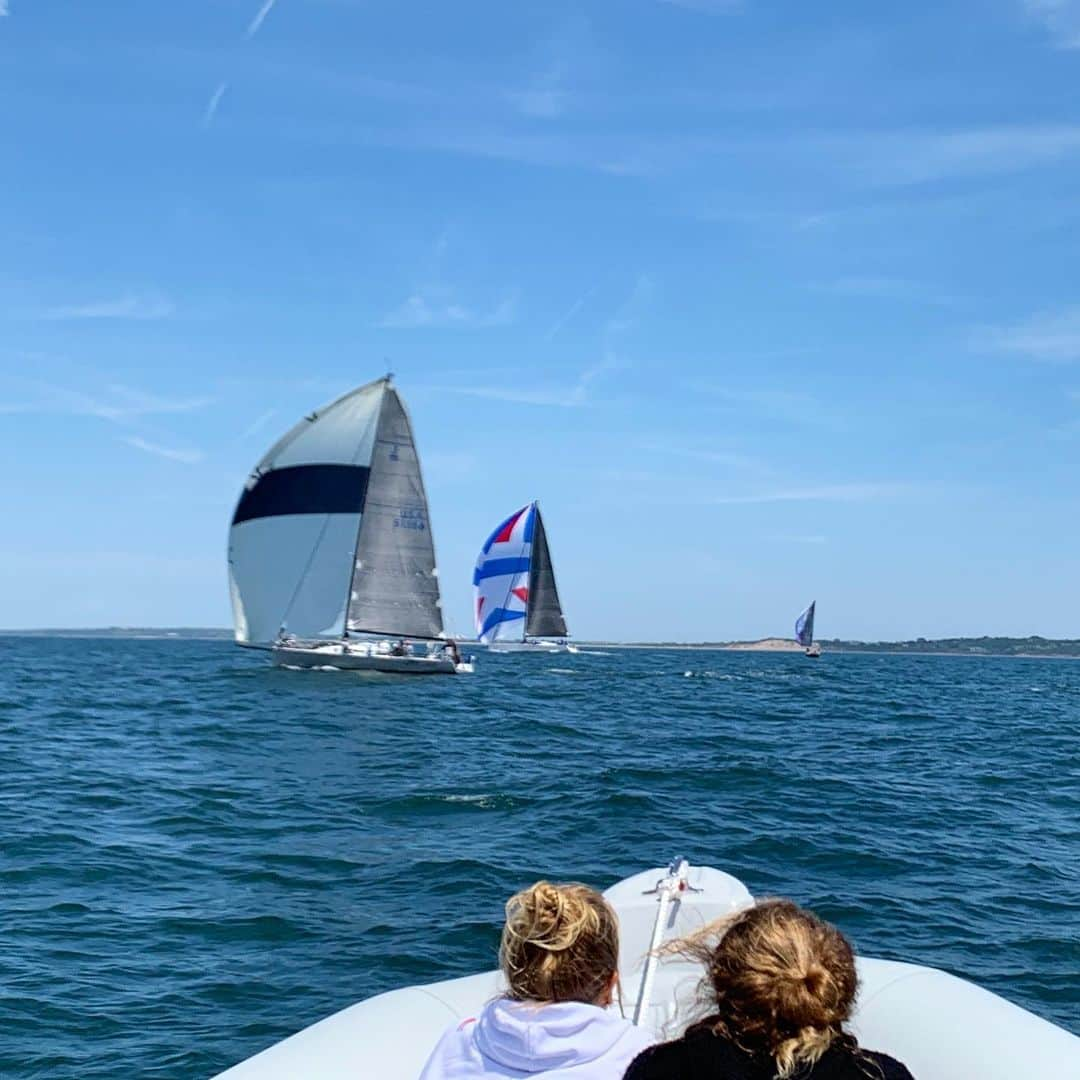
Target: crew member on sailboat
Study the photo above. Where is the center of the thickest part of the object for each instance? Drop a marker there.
(517, 601)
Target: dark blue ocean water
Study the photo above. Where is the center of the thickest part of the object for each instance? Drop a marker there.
(201, 854)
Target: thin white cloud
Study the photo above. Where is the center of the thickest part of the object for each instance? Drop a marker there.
(4, 8)
(117, 404)
(214, 103)
(876, 157)
(257, 424)
(546, 98)
(901, 158)
(185, 457)
(575, 396)
(728, 459)
(579, 394)
(451, 464)
(868, 285)
(1053, 337)
(785, 405)
(131, 306)
(611, 156)
(128, 401)
(260, 17)
(1060, 17)
(826, 493)
(560, 399)
(708, 7)
(541, 102)
(630, 310)
(418, 312)
(574, 308)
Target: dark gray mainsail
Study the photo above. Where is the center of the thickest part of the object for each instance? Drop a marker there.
(395, 586)
(545, 615)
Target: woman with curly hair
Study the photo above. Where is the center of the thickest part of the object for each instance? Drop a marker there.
(780, 984)
(560, 959)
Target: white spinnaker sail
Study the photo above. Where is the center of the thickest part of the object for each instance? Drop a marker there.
(294, 533)
(501, 579)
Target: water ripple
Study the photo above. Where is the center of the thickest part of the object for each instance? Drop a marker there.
(202, 854)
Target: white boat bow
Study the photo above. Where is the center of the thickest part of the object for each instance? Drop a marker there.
(942, 1027)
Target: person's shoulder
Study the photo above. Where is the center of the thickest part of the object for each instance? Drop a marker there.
(891, 1069)
(637, 1039)
(453, 1053)
(698, 1052)
(654, 1062)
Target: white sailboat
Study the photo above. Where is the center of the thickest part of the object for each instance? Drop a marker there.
(331, 559)
(517, 601)
(804, 631)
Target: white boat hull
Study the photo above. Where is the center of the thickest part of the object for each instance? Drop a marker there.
(364, 658)
(532, 647)
(941, 1027)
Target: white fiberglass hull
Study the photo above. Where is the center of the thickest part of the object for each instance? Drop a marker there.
(941, 1027)
(363, 658)
(532, 647)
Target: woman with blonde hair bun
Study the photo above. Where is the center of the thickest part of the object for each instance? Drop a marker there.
(779, 986)
(560, 959)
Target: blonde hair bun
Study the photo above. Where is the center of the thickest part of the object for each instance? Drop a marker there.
(560, 943)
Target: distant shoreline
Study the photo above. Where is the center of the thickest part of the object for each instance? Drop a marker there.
(1032, 648)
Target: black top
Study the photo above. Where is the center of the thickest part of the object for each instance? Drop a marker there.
(703, 1055)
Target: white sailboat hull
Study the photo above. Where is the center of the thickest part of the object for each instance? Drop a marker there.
(341, 657)
(532, 647)
(940, 1026)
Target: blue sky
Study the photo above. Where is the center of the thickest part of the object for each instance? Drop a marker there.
(763, 301)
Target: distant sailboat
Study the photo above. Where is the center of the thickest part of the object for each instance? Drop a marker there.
(517, 601)
(331, 560)
(804, 631)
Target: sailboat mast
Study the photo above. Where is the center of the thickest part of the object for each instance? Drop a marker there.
(534, 509)
(385, 380)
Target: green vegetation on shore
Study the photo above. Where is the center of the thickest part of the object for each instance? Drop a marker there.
(981, 646)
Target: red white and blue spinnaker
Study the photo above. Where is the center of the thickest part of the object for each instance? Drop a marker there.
(502, 578)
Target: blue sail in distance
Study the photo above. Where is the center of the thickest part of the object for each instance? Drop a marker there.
(804, 626)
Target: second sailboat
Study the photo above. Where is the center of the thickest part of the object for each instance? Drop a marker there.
(517, 601)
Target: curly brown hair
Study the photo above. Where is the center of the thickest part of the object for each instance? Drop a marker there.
(560, 943)
(779, 981)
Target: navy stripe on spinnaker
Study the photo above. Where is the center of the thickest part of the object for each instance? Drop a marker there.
(499, 567)
(305, 489)
(499, 615)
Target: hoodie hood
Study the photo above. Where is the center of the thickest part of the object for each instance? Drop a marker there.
(526, 1037)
